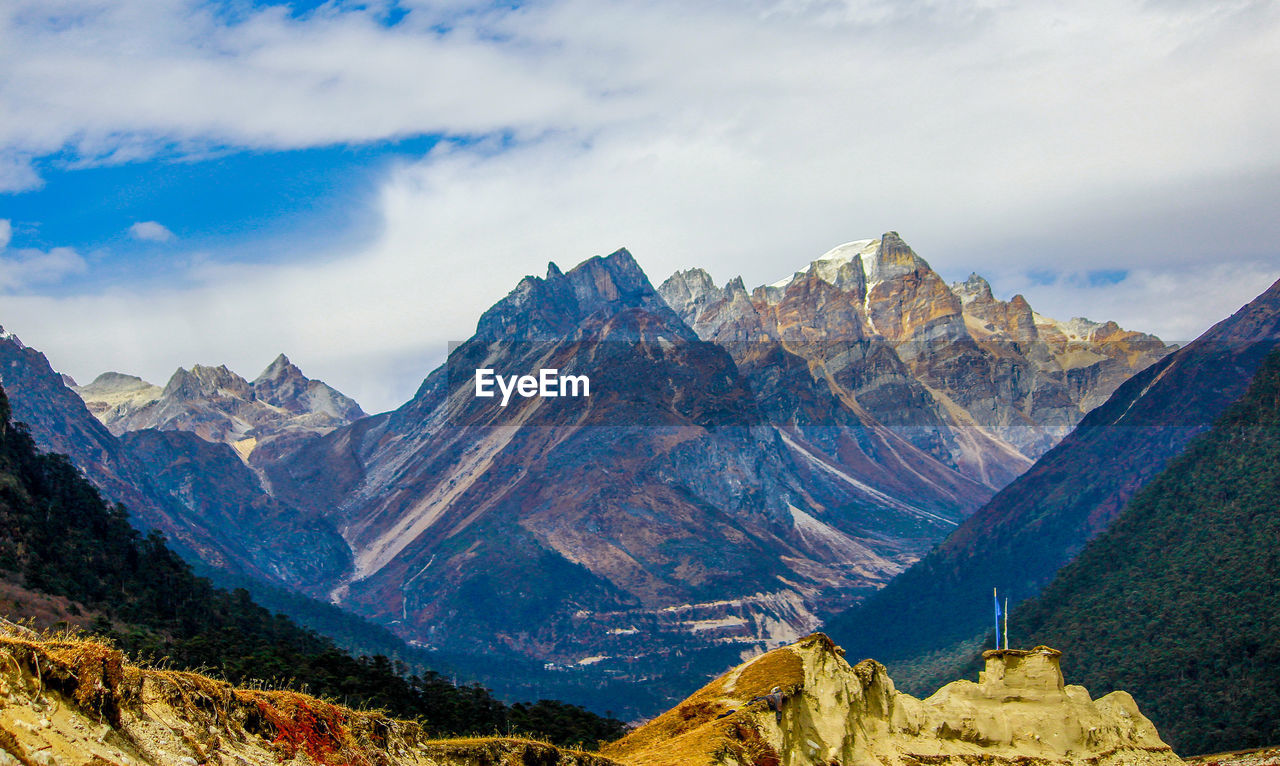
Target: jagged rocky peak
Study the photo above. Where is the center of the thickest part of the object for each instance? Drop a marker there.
(689, 290)
(5, 335)
(892, 258)
(721, 313)
(607, 279)
(279, 369)
(220, 406)
(975, 289)
(845, 266)
(853, 266)
(987, 315)
(804, 704)
(201, 382)
(283, 385)
(550, 308)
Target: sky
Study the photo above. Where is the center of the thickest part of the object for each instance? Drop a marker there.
(353, 184)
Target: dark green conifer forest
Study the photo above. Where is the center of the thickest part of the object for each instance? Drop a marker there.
(1178, 602)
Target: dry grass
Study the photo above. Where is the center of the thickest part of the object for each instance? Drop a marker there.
(213, 713)
(694, 732)
(99, 680)
(781, 667)
(744, 745)
(508, 751)
(89, 672)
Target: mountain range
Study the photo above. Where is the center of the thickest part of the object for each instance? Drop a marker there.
(720, 489)
(219, 406)
(981, 385)
(746, 465)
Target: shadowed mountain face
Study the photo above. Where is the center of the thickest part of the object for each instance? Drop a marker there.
(1043, 519)
(198, 494)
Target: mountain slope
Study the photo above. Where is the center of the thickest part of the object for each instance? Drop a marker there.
(61, 541)
(1042, 520)
(195, 493)
(225, 497)
(1179, 600)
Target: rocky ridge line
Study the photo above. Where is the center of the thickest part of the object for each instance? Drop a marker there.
(983, 385)
(220, 406)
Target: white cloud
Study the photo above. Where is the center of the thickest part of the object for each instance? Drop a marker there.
(150, 231)
(21, 269)
(24, 268)
(17, 173)
(743, 137)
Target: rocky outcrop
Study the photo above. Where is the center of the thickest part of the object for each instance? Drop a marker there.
(220, 406)
(1019, 712)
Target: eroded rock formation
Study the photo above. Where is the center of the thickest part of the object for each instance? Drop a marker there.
(1020, 711)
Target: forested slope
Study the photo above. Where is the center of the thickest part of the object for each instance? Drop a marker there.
(1178, 602)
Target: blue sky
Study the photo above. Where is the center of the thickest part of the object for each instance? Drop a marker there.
(354, 183)
(231, 205)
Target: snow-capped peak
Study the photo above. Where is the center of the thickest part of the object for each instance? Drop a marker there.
(845, 253)
(836, 257)
(6, 335)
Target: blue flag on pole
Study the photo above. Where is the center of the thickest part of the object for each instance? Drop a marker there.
(996, 599)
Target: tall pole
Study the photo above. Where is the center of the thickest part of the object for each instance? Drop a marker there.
(1006, 622)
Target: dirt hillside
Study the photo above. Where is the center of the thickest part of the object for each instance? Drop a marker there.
(70, 702)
